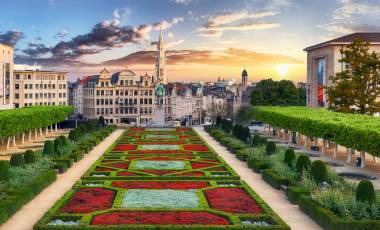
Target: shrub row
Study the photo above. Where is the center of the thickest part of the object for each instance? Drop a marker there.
(15, 121)
(16, 198)
(296, 195)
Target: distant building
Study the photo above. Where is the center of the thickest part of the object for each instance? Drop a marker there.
(121, 98)
(323, 62)
(33, 86)
(6, 73)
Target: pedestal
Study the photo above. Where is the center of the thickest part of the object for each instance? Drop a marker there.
(159, 117)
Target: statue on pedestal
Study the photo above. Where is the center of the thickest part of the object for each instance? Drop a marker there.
(159, 92)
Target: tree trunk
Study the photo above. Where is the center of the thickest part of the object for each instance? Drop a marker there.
(56, 127)
(323, 146)
(30, 135)
(350, 152)
(335, 150)
(306, 140)
(8, 142)
(23, 138)
(362, 156)
(47, 130)
(14, 140)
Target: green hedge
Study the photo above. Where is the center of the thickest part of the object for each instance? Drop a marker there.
(360, 132)
(15, 121)
(294, 194)
(275, 180)
(329, 221)
(15, 199)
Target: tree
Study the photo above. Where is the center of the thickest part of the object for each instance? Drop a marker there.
(217, 110)
(284, 92)
(48, 148)
(243, 116)
(355, 89)
(101, 121)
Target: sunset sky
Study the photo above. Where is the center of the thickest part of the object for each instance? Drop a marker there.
(204, 38)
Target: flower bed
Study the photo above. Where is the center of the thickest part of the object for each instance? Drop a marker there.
(159, 218)
(147, 185)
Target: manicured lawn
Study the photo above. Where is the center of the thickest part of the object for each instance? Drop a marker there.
(160, 178)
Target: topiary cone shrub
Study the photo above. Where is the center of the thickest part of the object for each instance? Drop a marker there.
(289, 157)
(63, 140)
(256, 140)
(303, 163)
(319, 171)
(4, 170)
(270, 147)
(57, 145)
(29, 157)
(365, 192)
(48, 148)
(17, 160)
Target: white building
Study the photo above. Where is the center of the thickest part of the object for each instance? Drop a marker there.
(323, 62)
(34, 86)
(6, 73)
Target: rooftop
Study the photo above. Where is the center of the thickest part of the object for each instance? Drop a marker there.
(373, 38)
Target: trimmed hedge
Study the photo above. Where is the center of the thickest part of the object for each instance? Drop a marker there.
(360, 132)
(15, 121)
(329, 221)
(273, 179)
(294, 194)
(18, 198)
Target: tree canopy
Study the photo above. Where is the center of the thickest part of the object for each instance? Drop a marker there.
(284, 92)
(356, 88)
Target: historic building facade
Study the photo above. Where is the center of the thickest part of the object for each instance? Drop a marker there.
(6, 80)
(323, 62)
(121, 98)
(33, 86)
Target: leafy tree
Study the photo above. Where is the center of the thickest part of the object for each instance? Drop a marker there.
(319, 171)
(270, 148)
(289, 157)
(227, 125)
(355, 89)
(57, 145)
(218, 121)
(101, 121)
(303, 163)
(243, 116)
(284, 92)
(217, 110)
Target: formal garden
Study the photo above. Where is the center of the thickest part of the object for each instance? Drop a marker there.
(28, 173)
(318, 190)
(160, 178)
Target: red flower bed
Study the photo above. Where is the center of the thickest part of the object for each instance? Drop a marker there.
(160, 159)
(160, 142)
(159, 152)
(109, 161)
(103, 169)
(160, 218)
(136, 129)
(133, 157)
(127, 174)
(160, 184)
(120, 165)
(124, 147)
(87, 200)
(160, 172)
(195, 147)
(199, 165)
(196, 173)
(234, 200)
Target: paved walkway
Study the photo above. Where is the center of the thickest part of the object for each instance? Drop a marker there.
(276, 199)
(28, 215)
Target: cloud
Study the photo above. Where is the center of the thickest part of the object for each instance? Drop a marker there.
(36, 49)
(243, 20)
(11, 37)
(230, 57)
(182, 2)
(166, 25)
(353, 16)
(170, 35)
(63, 33)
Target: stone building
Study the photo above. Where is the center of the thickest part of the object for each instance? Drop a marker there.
(323, 62)
(6, 80)
(121, 98)
(33, 86)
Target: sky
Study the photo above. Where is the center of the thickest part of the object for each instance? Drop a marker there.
(204, 39)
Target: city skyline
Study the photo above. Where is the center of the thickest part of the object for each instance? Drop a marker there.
(204, 39)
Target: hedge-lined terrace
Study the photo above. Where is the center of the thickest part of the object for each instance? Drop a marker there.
(28, 119)
(360, 132)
